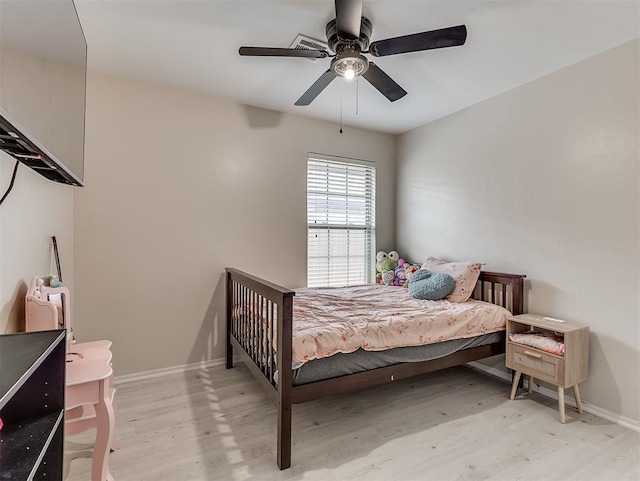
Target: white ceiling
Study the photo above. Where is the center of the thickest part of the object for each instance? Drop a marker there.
(193, 45)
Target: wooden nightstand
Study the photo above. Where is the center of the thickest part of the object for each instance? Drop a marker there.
(562, 371)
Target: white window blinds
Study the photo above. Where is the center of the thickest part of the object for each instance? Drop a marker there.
(340, 221)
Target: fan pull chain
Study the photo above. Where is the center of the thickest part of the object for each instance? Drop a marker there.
(357, 91)
(341, 85)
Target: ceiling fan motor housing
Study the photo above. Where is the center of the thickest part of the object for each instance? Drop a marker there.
(349, 58)
(335, 41)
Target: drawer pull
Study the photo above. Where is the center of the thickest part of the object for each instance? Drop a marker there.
(532, 354)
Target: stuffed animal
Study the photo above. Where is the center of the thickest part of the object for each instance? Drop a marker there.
(388, 277)
(399, 273)
(386, 262)
(400, 279)
(430, 285)
(410, 270)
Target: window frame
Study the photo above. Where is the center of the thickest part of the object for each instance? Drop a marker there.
(363, 184)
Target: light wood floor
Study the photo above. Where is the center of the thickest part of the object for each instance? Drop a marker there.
(454, 424)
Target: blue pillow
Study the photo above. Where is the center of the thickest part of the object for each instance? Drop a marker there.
(430, 285)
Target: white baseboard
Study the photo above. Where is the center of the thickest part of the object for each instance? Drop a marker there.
(551, 393)
(140, 376)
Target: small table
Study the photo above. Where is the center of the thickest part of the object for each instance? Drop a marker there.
(89, 400)
(562, 371)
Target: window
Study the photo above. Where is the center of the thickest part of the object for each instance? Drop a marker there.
(340, 221)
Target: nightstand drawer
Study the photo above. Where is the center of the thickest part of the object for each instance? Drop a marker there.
(534, 363)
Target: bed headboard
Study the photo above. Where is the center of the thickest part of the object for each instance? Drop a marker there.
(506, 290)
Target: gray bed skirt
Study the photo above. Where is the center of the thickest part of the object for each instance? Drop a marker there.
(361, 360)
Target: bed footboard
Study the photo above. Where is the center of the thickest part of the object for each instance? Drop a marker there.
(259, 327)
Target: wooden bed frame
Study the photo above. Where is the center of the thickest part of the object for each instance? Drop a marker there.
(247, 294)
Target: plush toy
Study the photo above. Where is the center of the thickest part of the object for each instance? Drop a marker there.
(410, 270)
(400, 278)
(402, 270)
(399, 273)
(386, 262)
(388, 277)
(430, 285)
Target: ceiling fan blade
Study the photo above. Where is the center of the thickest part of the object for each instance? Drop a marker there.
(348, 18)
(281, 52)
(385, 84)
(444, 37)
(317, 87)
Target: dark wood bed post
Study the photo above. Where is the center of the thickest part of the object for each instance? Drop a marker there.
(285, 380)
(517, 294)
(229, 313)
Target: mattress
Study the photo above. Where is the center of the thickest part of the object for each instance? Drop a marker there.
(330, 321)
(342, 364)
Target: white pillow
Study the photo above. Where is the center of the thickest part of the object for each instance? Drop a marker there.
(464, 273)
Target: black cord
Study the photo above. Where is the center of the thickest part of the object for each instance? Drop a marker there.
(13, 178)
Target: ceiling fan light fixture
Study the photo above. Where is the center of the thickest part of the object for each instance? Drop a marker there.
(349, 63)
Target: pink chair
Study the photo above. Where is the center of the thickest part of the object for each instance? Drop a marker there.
(89, 400)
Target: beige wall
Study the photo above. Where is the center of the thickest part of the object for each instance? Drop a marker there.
(35, 210)
(178, 186)
(543, 180)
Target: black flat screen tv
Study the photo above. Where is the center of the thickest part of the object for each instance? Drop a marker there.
(43, 71)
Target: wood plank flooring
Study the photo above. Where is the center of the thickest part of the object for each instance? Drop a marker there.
(217, 424)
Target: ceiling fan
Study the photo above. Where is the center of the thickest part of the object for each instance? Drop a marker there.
(348, 36)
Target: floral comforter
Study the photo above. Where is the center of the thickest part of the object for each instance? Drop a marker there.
(375, 317)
